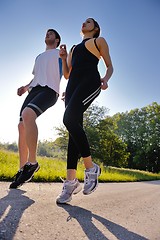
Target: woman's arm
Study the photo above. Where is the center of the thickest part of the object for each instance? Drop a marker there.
(104, 51)
(66, 61)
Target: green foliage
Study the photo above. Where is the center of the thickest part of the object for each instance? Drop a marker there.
(51, 170)
(49, 149)
(130, 139)
(134, 175)
(9, 146)
(62, 140)
(106, 146)
(111, 149)
(8, 164)
(140, 130)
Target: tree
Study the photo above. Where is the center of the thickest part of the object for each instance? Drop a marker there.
(140, 130)
(105, 145)
(111, 149)
(49, 149)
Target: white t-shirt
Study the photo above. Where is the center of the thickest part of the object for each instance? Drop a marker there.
(47, 70)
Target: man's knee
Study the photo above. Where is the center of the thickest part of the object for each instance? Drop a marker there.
(20, 126)
(28, 115)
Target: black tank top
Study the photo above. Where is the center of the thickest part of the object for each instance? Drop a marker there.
(82, 58)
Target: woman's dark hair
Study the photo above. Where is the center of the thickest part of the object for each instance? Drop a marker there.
(56, 34)
(96, 25)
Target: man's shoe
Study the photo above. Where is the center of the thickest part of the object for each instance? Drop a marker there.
(68, 190)
(28, 172)
(15, 182)
(91, 179)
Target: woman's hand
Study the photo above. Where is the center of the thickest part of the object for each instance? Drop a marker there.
(63, 96)
(63, 52)
(104, 84)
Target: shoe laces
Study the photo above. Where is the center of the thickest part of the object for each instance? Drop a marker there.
(86, 177)
(64, 189)
(67, 188)
(89, 176)
(62, 179)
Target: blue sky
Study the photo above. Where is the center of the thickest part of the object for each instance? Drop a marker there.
(131, 28)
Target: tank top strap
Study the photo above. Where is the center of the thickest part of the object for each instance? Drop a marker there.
(96, 45)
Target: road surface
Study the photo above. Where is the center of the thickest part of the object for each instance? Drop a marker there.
(115, 211)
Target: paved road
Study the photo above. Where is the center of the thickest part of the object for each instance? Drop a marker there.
(123, 211)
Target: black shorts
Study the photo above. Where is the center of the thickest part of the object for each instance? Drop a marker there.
(39, 100)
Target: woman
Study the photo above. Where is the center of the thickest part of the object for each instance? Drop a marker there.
(83, 87)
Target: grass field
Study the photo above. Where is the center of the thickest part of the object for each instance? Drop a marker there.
(52, 170)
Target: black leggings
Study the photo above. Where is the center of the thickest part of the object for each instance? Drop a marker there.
(78, 98)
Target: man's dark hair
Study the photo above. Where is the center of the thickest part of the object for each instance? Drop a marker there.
(56, 34)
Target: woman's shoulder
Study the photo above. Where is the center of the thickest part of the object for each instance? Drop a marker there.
(100, 40)
(71, 50)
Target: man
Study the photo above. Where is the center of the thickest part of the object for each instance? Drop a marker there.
(43, 93)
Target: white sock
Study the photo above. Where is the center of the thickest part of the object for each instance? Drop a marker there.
(32, 163)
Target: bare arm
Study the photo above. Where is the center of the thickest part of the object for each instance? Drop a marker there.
(104, 51)
(66, 61)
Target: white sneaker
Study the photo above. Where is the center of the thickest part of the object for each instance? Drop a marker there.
(91, 179)
(67, 191)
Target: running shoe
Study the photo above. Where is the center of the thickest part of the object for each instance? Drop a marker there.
(91, 179)
(28, 172)
(15, 182)
(68, 190)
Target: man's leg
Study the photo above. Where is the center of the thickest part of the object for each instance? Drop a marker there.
(29, 136)
(31, 133)
(22, 146)
(28, 132)
(23, 155)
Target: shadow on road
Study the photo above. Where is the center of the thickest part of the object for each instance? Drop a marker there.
(12, 206)
(85, 217)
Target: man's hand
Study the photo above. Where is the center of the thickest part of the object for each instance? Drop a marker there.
(21, 90)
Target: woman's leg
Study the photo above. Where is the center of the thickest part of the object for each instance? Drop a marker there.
(73, 118)
(72, 159)
(76, 104)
